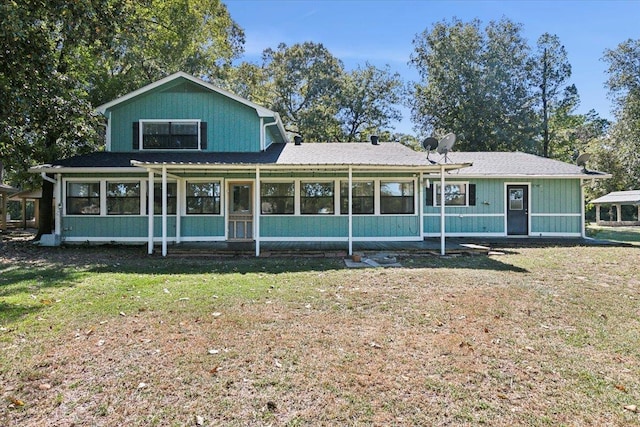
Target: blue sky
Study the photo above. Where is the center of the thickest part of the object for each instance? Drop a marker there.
(382, 31)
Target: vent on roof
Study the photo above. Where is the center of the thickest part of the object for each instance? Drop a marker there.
(374, 139)
(297, 140)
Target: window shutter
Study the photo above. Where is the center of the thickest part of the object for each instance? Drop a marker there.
(472, 194)
(203, 135)
(429, 195)
(136, 136)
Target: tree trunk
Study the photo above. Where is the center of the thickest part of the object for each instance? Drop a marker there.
(45, 217)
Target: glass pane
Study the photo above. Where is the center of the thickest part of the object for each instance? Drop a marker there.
(516, 199)
(362, 197)
(277, 198)
(172, 198)
(316, 198)
(241, 199)
(396, 198)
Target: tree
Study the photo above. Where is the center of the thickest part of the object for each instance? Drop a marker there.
(45, 47)
(624, 87)
(303, 80)
(474, 83)
(550, 70)
(368, 99)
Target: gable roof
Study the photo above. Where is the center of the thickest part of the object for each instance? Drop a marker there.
(517, 164)
(260, 110)
(631, 197)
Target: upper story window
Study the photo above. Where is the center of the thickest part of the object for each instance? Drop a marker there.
(169, 135)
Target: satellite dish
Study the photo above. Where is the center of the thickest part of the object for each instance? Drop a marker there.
(445, 144)
(430, 144)
(582, 161)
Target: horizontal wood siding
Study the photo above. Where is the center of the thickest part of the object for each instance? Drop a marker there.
(555, 224)
(231, 126)
(105, 226)
(551, 196)
(386, 226)
(205, 226)
(465, 224)
(304, 226)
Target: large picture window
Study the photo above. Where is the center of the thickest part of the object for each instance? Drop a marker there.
(83, 198)
(172, 198)
(203, 198)
(123, 198)
(277, 198)
(316, 198)
(362, 197)
(177, 135)
(455, 194)
(396, 197)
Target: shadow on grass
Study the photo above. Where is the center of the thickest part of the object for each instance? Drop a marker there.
(10, 313)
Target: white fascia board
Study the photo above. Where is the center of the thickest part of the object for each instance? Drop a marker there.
(528, 177)
(60, 169)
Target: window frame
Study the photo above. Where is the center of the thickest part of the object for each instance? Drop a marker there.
(83, 181)
(397, 181)
(219, 204)
(303, 197)
(345, 197)
(143, 122)
(141, 198)
(436, 194)
(292, 197)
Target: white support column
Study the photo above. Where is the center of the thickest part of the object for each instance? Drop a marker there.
(442, 211)
(256, 211)
(421, 202)
(178, 210)
(57, 194)
(583, 230)
(350, 209)
(598, 214)
(151, 213)
(619, 213)
(164, 210)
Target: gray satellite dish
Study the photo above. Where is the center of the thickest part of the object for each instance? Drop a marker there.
(429, 144)
(445, 144)
(582, 161)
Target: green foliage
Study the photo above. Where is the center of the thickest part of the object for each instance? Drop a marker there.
(474, 83)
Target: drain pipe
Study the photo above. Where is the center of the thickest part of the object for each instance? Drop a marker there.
(48, 178)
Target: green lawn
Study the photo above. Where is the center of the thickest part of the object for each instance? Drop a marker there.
(534, 336)
(630, 235)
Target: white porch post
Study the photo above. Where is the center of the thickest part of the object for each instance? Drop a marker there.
(350, 192)
(164, 210)
(598, 213)
(256, 211)
(583, 230)
(619, 213)
(57, 191)
(151, 213)
(421, 202)
(178, 210)
(442, 217)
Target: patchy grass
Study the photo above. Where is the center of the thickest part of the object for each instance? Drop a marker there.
(537, 336)
(629, 235)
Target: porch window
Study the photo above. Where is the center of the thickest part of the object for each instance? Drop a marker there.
(203, 198)
(455, 194)
(362, 197)
(396, 197)
(172, 198)
(316, 198)
(277, 198)
(123, 198)
(170, 135)
(83, 198)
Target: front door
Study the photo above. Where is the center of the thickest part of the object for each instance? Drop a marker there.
(517, 210)
(240, 218)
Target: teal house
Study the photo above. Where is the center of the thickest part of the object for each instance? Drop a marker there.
(186, 161)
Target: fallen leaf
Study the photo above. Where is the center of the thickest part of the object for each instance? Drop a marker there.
(166, 291)
(277, 363)
(16, 402)
(631, 408)
(199, 420)
(216, 314)
(122, 313)
(621, 387)
(100, 343)
(44, 386)
(214, 351)
(374, 344)
(142, 385)
(215, 370)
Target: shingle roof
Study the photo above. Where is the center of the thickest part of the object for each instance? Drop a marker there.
(631, 197)
(491, 163)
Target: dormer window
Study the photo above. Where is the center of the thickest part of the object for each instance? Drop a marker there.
(170, 135)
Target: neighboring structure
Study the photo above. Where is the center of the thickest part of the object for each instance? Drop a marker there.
(186, 161)
(5, 191)
(618, 199)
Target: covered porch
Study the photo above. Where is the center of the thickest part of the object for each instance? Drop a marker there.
(616, 200)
